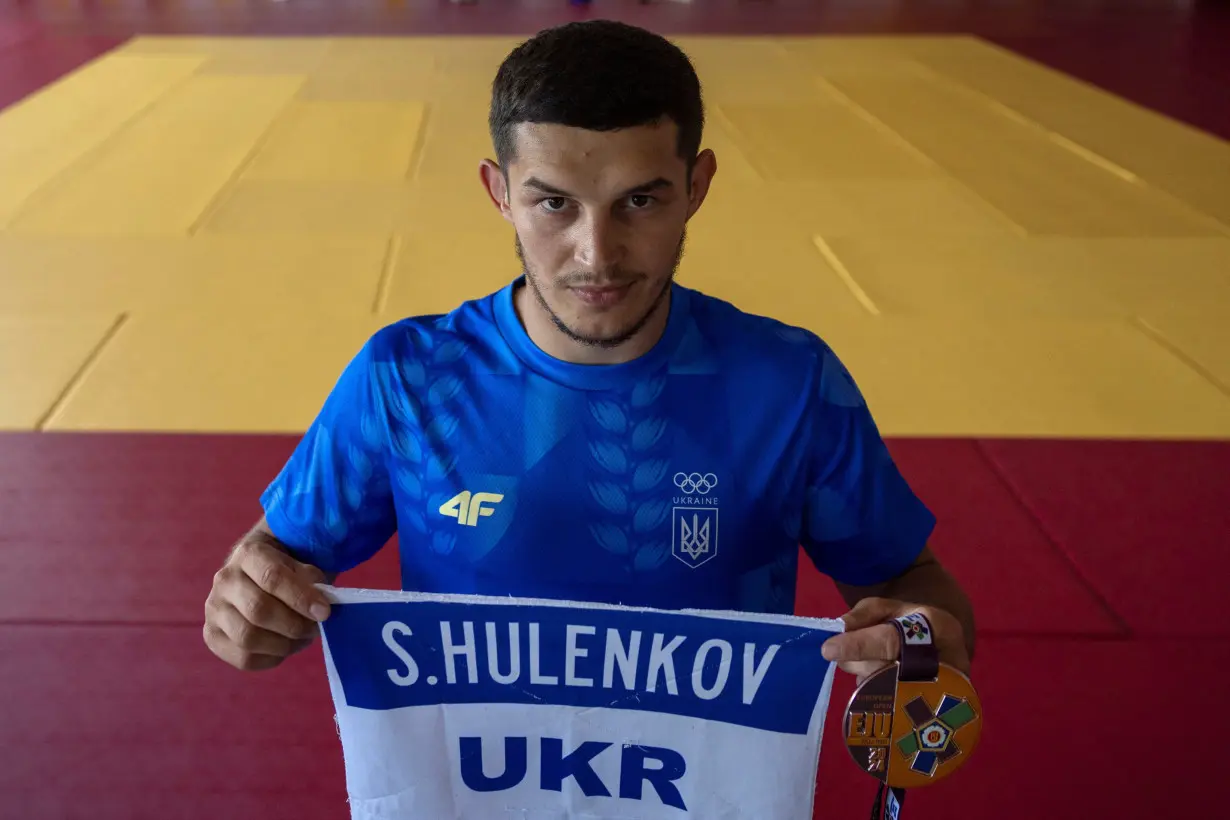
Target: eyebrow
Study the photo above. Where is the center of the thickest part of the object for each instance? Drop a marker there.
(644, 188)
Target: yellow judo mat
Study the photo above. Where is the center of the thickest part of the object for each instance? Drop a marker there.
(197, 233)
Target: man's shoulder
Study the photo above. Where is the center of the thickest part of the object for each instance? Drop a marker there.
(438, 337)
(738, 335)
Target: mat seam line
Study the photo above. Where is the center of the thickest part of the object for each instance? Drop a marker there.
(904, 142)
(845, 275)
(1081, 577)
(420, 140)
(1083, 152)
(738, 138)
(225, 191)
(75, 380)
(392, 250)
(88, 158)
(1173, 349)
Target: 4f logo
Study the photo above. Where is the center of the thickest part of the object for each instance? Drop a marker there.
(466, 507)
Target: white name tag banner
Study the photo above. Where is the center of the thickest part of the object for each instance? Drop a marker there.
(471, 708)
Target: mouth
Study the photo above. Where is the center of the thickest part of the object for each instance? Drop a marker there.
(602, 295)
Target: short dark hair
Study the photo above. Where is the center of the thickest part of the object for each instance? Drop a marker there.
(600, 75)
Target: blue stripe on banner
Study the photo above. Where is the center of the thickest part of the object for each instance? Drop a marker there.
(411, 653)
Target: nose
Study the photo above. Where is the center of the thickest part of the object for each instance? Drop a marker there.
(600, 243)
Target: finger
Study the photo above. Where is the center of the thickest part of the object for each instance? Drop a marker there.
(298, 646)
(247, 636)
(862, 670)
(307, 572)
(873, 643)
(263, 610)
(224, 648)
(287, 580)
(872, 611)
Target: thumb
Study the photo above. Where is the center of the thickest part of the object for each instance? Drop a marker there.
(870, 612)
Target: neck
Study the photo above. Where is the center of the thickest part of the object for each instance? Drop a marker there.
(557, 344)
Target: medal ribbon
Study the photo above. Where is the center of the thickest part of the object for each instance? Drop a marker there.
(919, 661)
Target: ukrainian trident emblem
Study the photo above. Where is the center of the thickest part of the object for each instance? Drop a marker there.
(694, 536)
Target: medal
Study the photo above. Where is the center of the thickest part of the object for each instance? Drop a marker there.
(914, 722)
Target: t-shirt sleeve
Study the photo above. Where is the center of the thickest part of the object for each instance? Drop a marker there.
(332, 503)
(862, 523)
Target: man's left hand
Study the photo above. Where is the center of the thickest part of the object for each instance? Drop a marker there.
(870, 642)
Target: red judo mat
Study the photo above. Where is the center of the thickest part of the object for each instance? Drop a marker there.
(1147, 524)
(113, 708)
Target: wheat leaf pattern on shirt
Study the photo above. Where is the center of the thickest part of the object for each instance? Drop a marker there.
(629, 464)
(610, 537)
(424, 423)
(609, 416)
(610, 455)
(442, 394)
(610, 496)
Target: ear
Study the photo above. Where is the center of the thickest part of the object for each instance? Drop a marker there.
(496, 185)
(703, 171)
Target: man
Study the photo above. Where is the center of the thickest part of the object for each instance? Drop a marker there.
(594, 431)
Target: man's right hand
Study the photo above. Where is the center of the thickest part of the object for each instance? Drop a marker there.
(263, 607)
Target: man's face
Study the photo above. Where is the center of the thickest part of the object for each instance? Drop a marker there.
(600, 220)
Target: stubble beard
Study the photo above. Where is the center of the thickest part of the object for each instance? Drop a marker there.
(604, 342)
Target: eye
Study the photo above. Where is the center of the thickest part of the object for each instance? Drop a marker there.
(638, 201)
(554, 204)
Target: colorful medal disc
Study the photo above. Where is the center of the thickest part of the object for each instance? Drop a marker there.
(912, 733)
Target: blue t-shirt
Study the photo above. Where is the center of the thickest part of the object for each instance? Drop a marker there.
(685, 478)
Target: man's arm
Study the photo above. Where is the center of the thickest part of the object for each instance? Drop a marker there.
(862, 524)
(332, 505)
(924, 583)
(329, 509)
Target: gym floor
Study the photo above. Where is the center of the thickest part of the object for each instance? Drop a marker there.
(1012, 220)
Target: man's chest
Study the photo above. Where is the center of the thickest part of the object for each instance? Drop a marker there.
(546, 491)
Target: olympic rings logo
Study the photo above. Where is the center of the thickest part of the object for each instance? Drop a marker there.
(695, 484)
